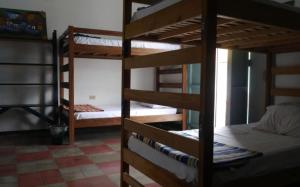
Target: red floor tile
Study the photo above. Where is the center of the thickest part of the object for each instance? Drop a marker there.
(112, 141)
(8, 170)
(40, 178)
(25, 157)
(96, 149)
(72, 161)
(59, 147)
(51, 177)
(30, 180)
(110, 167)
(102, 181)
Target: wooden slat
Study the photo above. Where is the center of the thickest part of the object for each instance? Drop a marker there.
(264, 41)
(176, 100)
(190, 55)
(158, 174)
(268, 15)
(65, 85)
(65, 68)
(286, 70)
(192, 38)
(248, 34)
(170, 71)
(147, 2)
(97, 31)
(65, 102)
(236, 29)
(181, 143)
(179, 31)
(131, 181)
(157, 118)
(101, 122)
(166, 17)
(170, 85)
(285, 92)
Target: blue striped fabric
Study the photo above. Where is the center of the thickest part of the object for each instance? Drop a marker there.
(224, 155)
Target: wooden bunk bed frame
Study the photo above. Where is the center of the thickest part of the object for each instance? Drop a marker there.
(71, 50)
(204, 25)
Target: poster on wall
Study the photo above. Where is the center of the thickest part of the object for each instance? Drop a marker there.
(22, 24)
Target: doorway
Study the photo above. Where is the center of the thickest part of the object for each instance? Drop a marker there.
(221, 90)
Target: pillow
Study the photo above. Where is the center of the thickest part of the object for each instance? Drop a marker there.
(152, 105)
(267, 122)
(280, 119)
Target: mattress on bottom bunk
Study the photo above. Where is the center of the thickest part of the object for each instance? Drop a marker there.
(279, 152)
(115, 111)
(90, 40)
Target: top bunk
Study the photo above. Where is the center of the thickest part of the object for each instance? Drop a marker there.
(104, 44)
(258, 25)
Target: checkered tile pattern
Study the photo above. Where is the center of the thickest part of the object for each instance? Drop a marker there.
(88, 163)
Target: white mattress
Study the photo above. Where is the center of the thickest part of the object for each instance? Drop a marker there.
(166, 3)
(280, 152)
(115, 111)
(152, 9)
(118, 43)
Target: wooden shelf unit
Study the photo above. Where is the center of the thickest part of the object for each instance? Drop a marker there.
(54, 84)
(202, 25)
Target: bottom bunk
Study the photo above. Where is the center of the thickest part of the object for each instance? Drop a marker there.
(243, 154)
(90, 116)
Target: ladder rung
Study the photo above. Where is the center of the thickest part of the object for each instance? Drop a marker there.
(190, 55)
(176, 100)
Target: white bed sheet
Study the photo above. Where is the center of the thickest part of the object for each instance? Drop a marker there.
(118, 43)
(279, 152)
(166, 3)
(115, 111)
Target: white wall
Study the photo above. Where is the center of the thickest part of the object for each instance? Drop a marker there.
(100, 78)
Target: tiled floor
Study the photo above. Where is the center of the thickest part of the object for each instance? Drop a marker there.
(93, 161)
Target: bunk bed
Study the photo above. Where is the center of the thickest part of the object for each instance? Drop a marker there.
(36, 109)
(102, 44)
(202, 26)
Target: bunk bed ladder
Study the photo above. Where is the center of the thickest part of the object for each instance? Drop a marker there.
(69, 85)
(171, 85)
(203, 53)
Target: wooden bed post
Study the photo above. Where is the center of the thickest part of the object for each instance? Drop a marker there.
(206, 119)
(71, 84)
(126, 77)
(184, 90)
(269, 78)
(55, 76)
(157, 79)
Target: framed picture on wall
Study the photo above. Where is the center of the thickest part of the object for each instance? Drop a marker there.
(22, 24)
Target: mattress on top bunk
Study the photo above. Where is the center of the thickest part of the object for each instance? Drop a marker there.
(92, 40)
(279, 152)
(115, 111)
(143, 12)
